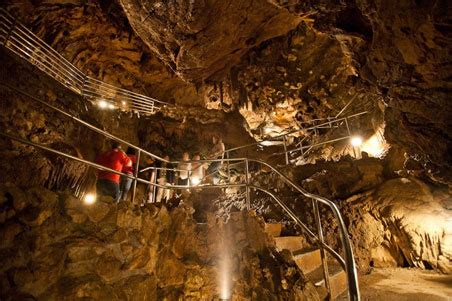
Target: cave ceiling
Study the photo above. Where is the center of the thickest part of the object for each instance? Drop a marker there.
(279, 63)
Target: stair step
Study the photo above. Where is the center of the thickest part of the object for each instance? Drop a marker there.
(274, 230)
(337, 277)
(291, 243)
(308, 261)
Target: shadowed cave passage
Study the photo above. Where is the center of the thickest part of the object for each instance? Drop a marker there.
(281, 150)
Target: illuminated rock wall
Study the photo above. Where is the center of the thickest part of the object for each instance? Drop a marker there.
(54, 247)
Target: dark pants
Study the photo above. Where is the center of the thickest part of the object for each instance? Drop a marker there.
(212, 171)
(183, 182)
(108, 188)
(126, 184)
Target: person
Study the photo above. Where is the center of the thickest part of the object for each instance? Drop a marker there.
(217, 152)
(198, 170)
(151, 173)
(183, 169)
(108, 182)
(183, 174)
(125, 182)
(165, 175)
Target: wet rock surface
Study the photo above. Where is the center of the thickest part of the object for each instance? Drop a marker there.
(286, 64)
(53, 246)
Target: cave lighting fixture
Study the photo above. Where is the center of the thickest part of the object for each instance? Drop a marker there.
(356, 141)
(195, 181)
(102, 104)
(89, 199)
(111, 106)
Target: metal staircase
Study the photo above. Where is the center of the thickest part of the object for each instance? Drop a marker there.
(297, 145)
(308, 250)
(249, 181)
(309, 261)
(20, 40)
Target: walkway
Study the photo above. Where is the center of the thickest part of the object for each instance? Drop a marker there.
(404, 284)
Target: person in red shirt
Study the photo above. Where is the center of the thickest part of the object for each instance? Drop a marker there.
(126, 182)
(108, 182)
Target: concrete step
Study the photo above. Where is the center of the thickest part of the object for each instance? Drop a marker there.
(309, 260)
(337, 277)
(274, 230)
(292, 243)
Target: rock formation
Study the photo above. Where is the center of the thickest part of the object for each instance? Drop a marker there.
(53, 246)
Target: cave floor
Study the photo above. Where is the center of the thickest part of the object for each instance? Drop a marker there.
(404, 284)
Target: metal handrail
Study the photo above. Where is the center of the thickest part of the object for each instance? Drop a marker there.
(349, 259)
(276, 138)
(283, 137)
(347, 262)
(24, 43)
(84, 123)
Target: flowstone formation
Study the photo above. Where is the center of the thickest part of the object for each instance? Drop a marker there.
(403, 222)
(53, 246)
(393, 220)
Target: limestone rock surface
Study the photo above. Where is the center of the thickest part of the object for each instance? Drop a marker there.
(200, 38)
(404, 222)
(55, 247)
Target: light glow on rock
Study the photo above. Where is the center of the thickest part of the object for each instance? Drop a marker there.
(195, 181)
(374, 146)
(225, 264)
(225, 277)
(356, 141)
(89, 199)
(102, 104)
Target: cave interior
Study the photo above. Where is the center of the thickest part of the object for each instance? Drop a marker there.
(281, 150)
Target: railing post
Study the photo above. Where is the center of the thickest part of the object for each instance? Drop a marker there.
(247, 175)
(348, 127)
(227, 164)
(285, 150)
(350, 135)
(322, 250)
(137, 167)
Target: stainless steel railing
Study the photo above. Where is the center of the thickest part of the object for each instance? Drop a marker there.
(24, 43)
(346, 261)
(302, 146)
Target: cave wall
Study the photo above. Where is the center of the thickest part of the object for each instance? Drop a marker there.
(96, 37)
(392, 56)
(394, 217)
